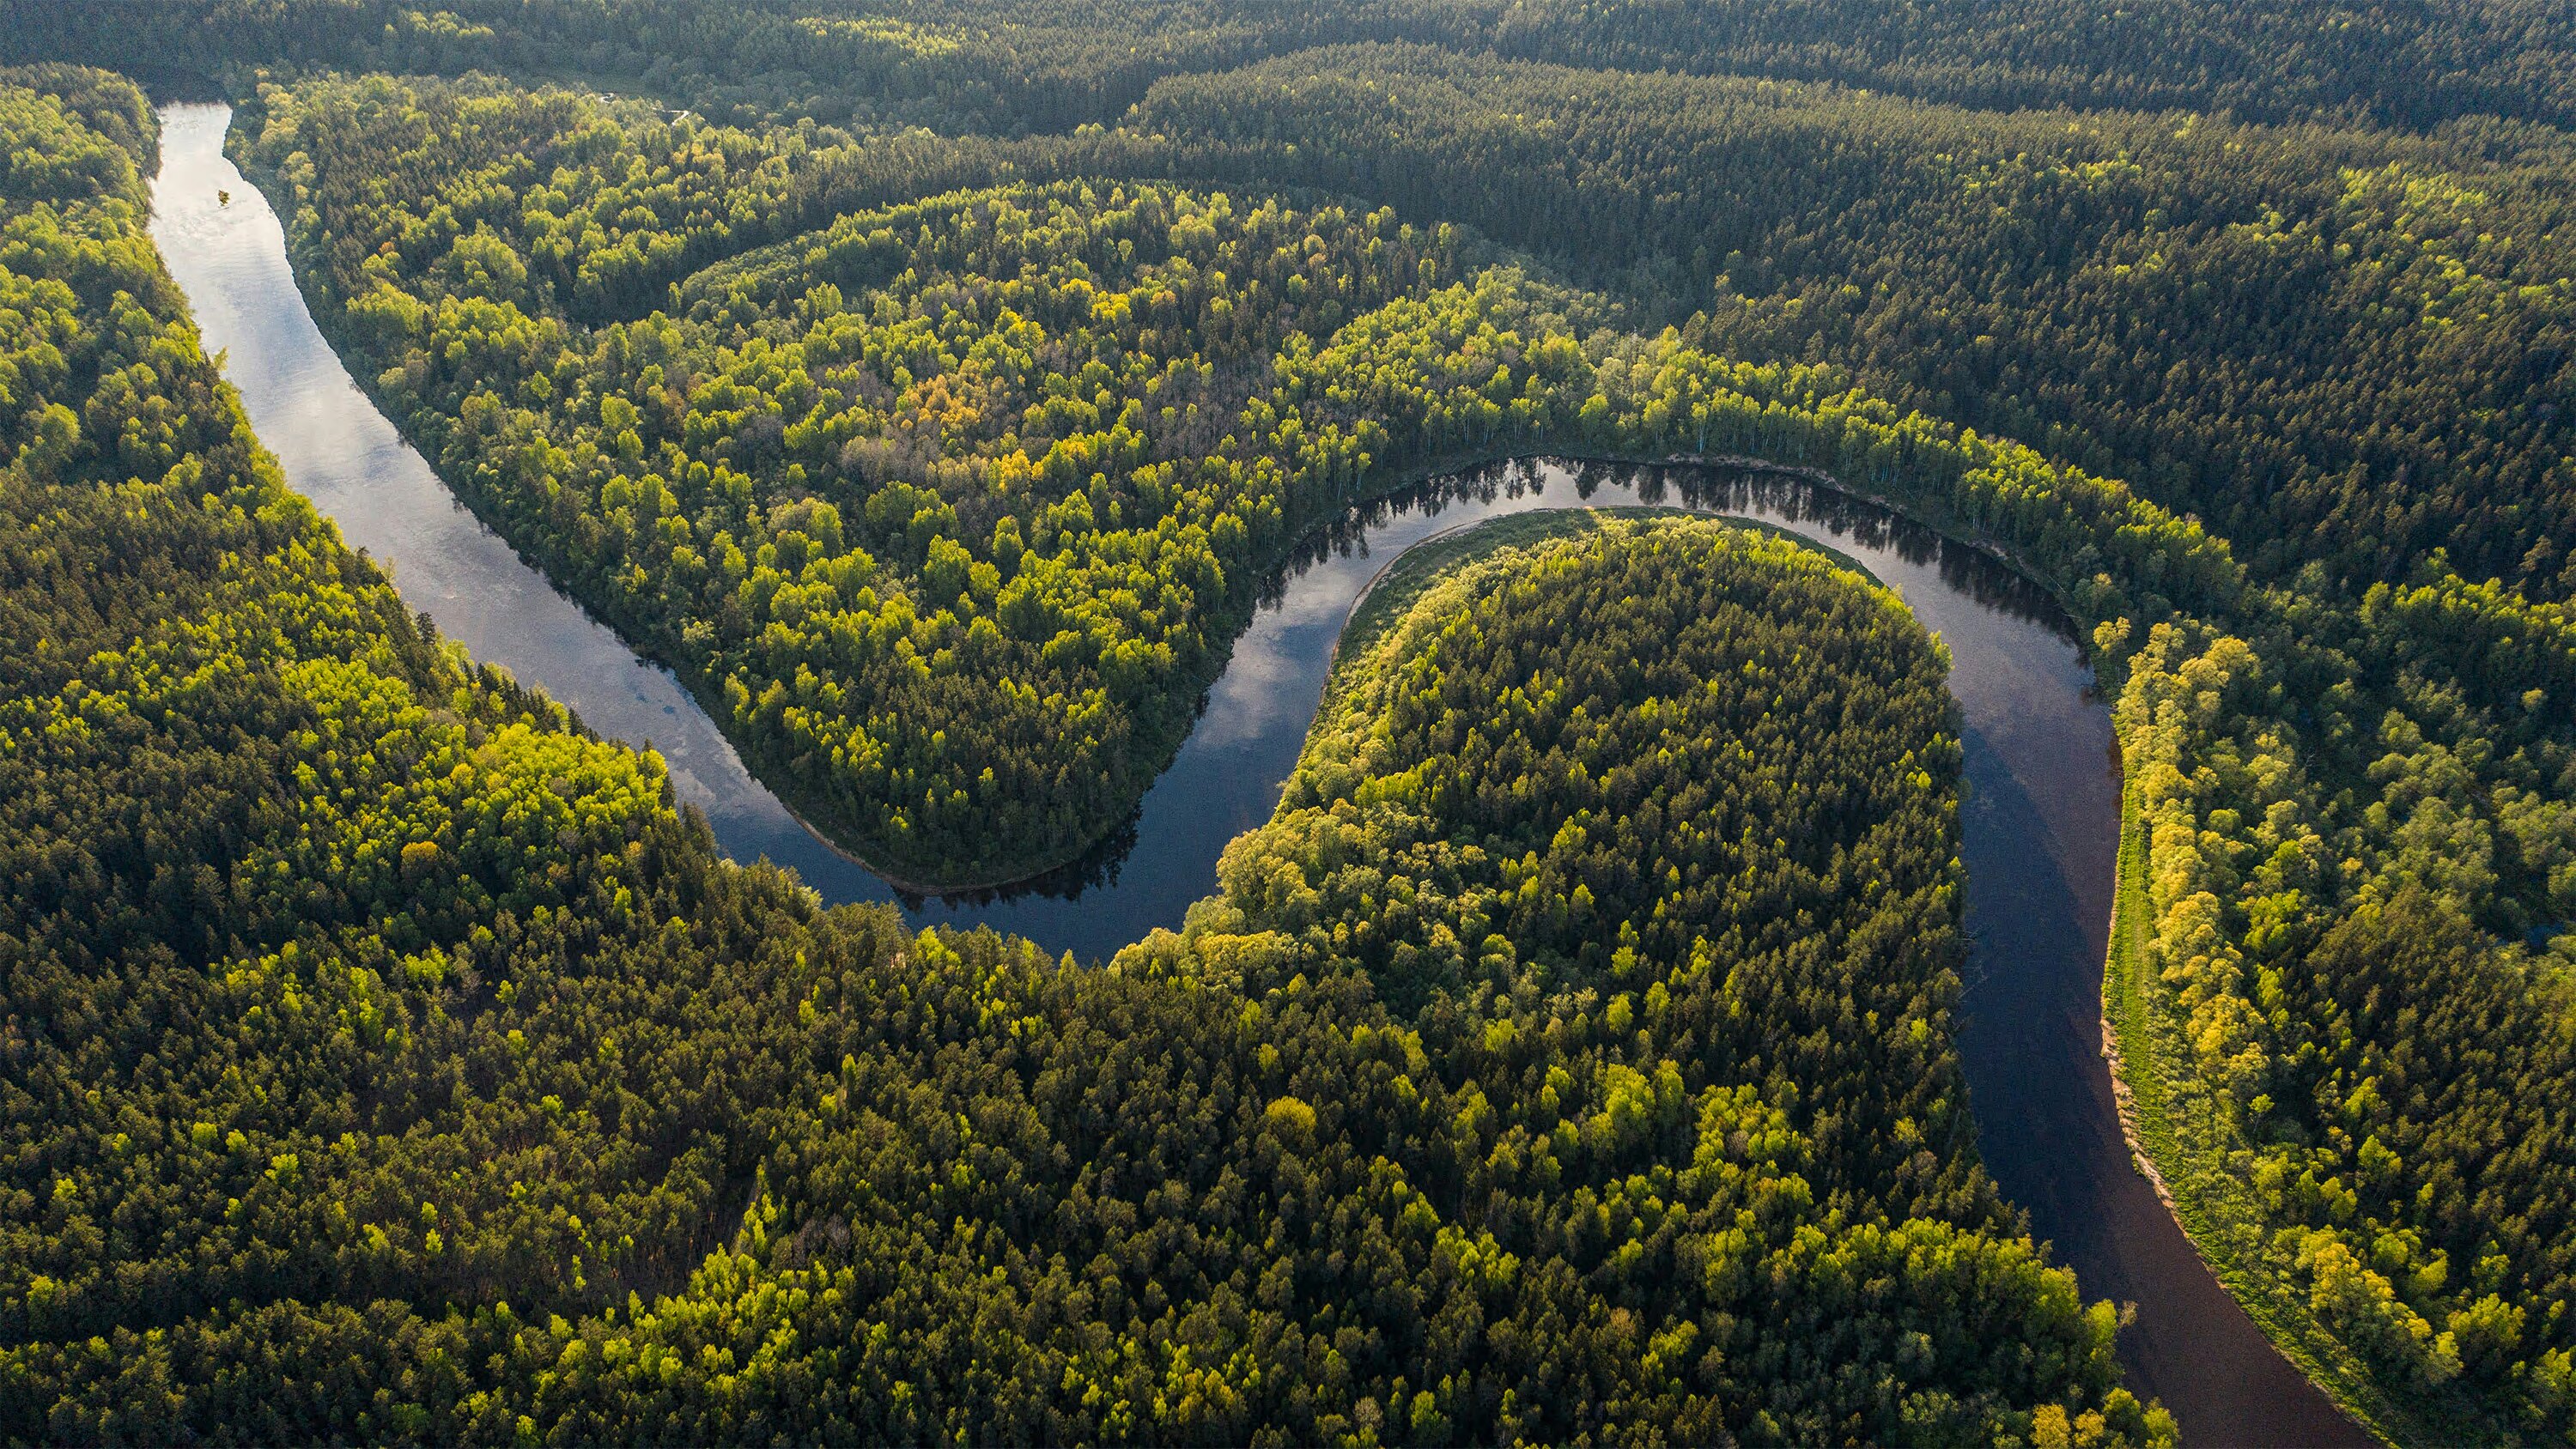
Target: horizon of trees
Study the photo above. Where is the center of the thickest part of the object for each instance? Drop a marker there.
(1015, 67)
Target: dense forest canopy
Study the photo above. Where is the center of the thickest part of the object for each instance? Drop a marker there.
(946, 507)
(958, 419)
(932, 387)
(2336, 345)
(2343, 346)
(388, 1060)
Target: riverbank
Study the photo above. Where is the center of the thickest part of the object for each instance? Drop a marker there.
(2185, 1150)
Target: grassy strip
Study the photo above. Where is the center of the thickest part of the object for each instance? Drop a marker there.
(2175, 1125)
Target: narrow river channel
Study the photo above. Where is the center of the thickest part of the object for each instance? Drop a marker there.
(2040, 813)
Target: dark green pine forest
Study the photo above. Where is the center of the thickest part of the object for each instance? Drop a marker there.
(933, 387)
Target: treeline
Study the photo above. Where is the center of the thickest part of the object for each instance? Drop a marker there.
(1021, 66)
(2337, 346)
(626, 200)
(2344, 346)
(2326, 782)
(335, 967)
(388, 1061)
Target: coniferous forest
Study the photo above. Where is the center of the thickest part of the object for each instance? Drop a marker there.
(1573, 1054)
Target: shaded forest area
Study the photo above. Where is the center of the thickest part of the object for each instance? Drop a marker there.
(2337, 345)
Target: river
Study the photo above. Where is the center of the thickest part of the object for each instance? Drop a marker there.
(2040, 814)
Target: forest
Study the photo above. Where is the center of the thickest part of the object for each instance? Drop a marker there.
(936, 505)
(2317, 750)
(2336, 345)
(933, 387)
(389, 1059)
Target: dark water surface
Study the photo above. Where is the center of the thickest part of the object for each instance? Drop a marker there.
(2040, 819)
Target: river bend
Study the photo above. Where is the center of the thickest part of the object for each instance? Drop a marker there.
(2040, 814)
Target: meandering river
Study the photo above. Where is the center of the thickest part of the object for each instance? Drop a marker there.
(2040, 814)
